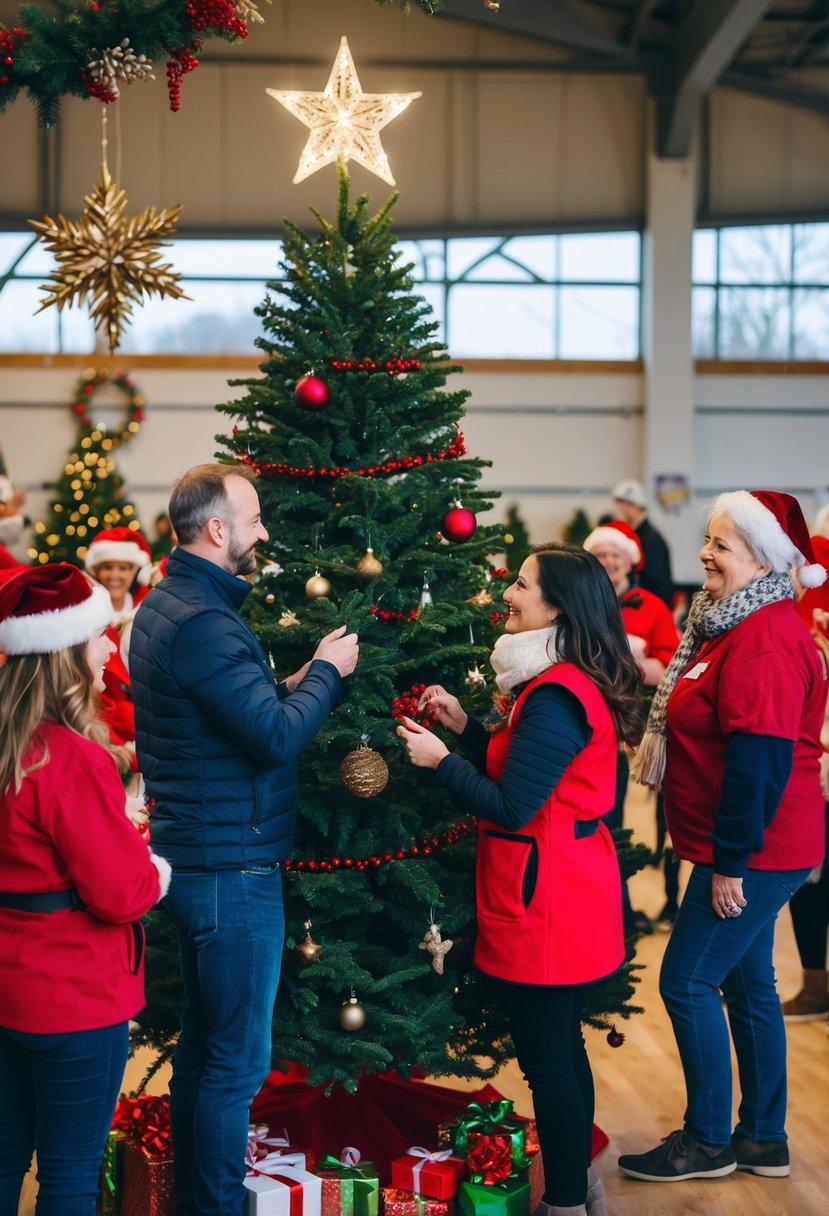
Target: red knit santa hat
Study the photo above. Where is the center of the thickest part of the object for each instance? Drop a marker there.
(773, 525)
(44, 609)
(118, 545)
(621, 535)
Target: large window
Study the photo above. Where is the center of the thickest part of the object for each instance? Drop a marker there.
(761, 292)
(573, 296)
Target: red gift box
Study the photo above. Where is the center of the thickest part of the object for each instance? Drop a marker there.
(437, 1175)
(404, 1203)
(149, 1187)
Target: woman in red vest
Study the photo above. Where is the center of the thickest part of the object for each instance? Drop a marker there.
(548, 888)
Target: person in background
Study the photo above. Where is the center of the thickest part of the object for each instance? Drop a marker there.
(631, 505)
(218, 741)
(810, 905)
(653, 639)
(75, 878)
(115, 558)
(12, 522)
(733, 740)
(549, 903)
(162, 545)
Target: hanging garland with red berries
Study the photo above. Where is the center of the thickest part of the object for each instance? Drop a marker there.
(87, 48)
(87, 386)
(388, 469)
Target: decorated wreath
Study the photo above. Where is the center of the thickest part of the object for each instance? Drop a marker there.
(89, 383)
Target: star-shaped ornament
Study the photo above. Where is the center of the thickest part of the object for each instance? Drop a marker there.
(109, 257)
(344, 122)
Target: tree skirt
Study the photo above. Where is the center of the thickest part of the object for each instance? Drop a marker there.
(383, 1119)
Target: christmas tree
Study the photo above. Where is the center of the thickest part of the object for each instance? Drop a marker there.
(370, 501)
(516, 539)
(89, 495)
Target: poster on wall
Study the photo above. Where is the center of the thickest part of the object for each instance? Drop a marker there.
(672, 491)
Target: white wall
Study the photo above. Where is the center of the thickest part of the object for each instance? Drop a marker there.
(557, 441)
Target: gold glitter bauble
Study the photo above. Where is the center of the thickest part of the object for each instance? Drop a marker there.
(369, 567)
(317, 586)
(108, 257)
(352, 1015)
(364, 773)
(308, 948)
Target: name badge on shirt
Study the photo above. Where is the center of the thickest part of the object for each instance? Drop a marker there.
(695, 672)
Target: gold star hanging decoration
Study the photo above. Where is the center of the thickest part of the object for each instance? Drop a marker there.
(344, 122)
(108, 257)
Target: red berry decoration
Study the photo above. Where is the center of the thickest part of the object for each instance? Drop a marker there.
(615, 1038)
(458, 524)
(311, 393)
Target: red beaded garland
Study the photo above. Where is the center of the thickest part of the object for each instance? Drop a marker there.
(425, 849)
(265, 469)
(405, 706)
(392, 367)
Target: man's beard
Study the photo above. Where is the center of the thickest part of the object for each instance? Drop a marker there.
(239, 560)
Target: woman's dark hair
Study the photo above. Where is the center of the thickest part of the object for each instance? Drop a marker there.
(590, 633)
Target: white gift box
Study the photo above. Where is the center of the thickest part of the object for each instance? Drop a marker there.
(272, 1190)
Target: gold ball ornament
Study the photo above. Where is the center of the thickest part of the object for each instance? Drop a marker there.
(369, 567)
(364, 772)
(352, 1014)
(270, 599)
(317, 586)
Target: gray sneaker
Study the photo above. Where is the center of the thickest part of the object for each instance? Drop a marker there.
(680, 1156)
(768, 1158)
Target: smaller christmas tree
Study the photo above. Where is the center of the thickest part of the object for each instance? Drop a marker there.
(516, 539)
(89, 495)
(577, 529)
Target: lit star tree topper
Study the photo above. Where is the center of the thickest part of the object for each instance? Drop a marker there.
(344, 122)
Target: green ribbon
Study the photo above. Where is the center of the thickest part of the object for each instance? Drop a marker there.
(489, 1118)
(359, 1186)
(507, 1198)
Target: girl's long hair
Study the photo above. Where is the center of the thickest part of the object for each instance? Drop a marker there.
(590, 633)
(45, 687)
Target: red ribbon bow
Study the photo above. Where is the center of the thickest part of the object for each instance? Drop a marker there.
(144, 1120)
(489, 1158)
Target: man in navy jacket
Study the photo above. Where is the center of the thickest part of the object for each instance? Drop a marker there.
(218, 740)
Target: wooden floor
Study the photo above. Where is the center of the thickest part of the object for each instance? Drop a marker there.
(640, 1095)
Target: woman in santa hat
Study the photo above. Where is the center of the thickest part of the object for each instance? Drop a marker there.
(653, 639)
(75, 879)
(733, 739)
(115, 558)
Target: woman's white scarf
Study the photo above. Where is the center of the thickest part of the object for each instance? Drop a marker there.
(519, 657)
(708, 618)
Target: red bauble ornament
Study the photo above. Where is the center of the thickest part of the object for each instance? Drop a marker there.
(615, 1038)
(311, 393)
(458, 524)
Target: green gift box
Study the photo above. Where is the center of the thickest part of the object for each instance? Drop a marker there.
(508, 1198)
(489, 1119)
(348, 1190)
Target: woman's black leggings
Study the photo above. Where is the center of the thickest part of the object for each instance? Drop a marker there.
(545, 1023)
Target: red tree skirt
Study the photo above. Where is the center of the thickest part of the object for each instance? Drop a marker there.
(383, 1119)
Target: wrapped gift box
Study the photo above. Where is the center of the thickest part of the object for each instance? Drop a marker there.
(488, 1118)
(112, 1176)
(510, 1198)
(263, 1142)
(149, 1187)
(276, 1189)
(537, 1181)
(349, 1188)
(405, 1203)
(437, 1175)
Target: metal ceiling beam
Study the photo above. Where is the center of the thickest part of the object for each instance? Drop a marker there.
(643, 11)
(705, 44)
(551, 21)
(761, 86)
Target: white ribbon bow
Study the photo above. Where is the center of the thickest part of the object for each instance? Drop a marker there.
(425, 1157)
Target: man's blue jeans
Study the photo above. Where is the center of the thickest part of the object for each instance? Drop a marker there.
(58, 1095)
(706, 956)
(231, 928)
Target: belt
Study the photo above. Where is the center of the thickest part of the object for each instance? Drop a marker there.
(45, 901)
